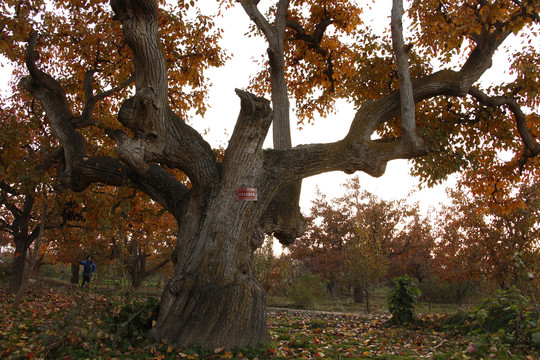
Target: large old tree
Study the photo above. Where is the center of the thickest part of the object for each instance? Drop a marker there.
(318, 51)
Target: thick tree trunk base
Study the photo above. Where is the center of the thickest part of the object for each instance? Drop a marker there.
(17, 273)
(74, 273)
(358, 295)
(212, 316)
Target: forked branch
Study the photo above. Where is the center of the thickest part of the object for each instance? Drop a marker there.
(532, 147)
(76, 169)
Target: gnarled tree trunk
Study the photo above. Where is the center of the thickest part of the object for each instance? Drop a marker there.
(213, 299)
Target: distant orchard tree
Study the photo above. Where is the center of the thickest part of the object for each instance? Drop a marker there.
(501, 245)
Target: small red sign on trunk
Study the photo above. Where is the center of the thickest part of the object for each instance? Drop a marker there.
(246, 194)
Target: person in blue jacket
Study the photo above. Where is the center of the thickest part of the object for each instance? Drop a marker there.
(88, 269)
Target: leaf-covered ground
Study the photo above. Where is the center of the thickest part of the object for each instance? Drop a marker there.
(69, 323)
(331, 335)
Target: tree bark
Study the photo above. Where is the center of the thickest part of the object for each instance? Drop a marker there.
(213, 299)
(75, 270)
(33, 259)
(19, 262)
(358, 294)
(218, 304)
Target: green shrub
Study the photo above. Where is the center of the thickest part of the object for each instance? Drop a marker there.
(306, 290)
(507, 318)
(402, 299)
(136, 318)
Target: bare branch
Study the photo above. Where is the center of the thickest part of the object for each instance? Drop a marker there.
(281, 16)
(157, 266)
(532, 147)
(405, 86)
(312, 40)
(260, 21)
(87, 116)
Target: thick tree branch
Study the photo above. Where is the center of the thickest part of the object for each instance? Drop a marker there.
(160, 135)
(408, 121)
(158, 183)
(281, 16)
(250, 7)
(532, 147)
(357, 152)
(248, 137)
(77, 170)
(186, 150)
(275, 36)
(481, 57)
(53, 99)
(87, 116)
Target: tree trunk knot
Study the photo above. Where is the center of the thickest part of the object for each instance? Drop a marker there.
(180, 283)
(139, 113)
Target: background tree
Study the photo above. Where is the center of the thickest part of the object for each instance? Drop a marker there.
(142, 235)
(322, 247)
(21, 184)
(82, 229)
(22, 223)
(365, 264)
(476, 242)
(274, 273)
(377, 226)
(413, 248)
(395, 119)
(264, 263)
(135, 231)
(352, 239)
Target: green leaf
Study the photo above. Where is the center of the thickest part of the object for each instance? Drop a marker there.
(535, 339)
